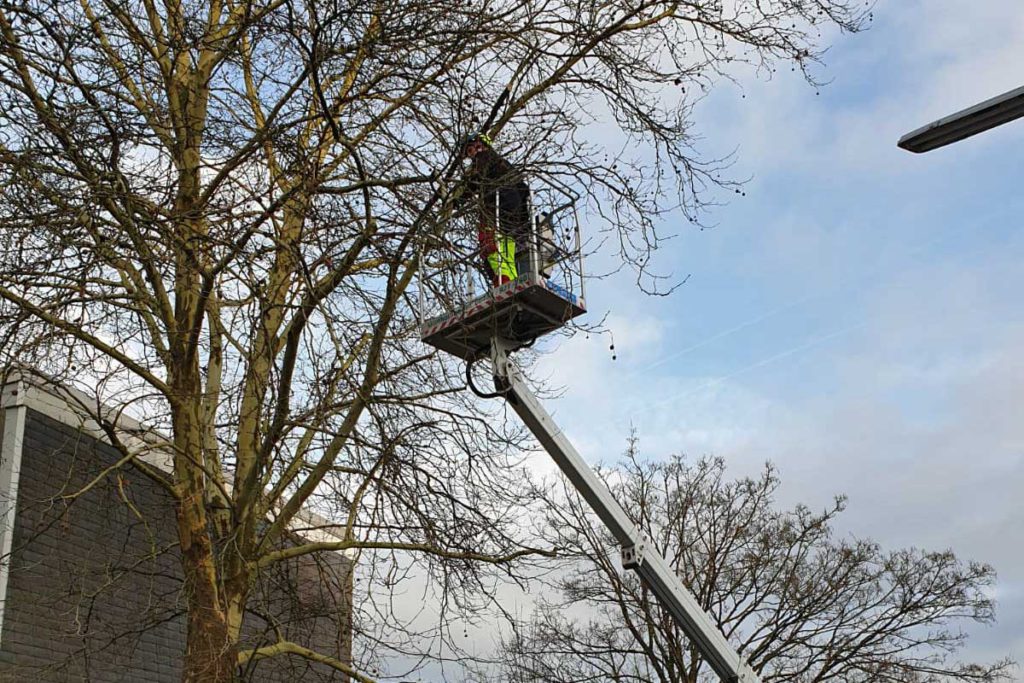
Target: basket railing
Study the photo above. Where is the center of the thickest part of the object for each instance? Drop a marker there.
(453, 273)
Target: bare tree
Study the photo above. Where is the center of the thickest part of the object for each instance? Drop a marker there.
(214, 214)
(801, 604)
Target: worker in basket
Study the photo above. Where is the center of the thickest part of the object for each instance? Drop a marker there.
(502, 201)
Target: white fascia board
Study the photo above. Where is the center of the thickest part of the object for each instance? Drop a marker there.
(12, 439)
(76, 409)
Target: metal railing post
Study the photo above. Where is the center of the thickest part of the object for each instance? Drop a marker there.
(532, 238)
(470, 272)
(579, 252)
(420, 281)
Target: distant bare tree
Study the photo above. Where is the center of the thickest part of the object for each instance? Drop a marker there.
(214, 213)
(800, 604)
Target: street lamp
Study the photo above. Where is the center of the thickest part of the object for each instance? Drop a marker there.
(964, 124)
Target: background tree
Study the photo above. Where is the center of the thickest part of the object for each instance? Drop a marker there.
(800, 604)
(214, 213)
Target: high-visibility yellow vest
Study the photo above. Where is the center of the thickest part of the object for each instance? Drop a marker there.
(503, 259)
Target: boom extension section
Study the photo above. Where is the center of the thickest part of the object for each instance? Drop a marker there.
(637, 554)
(547, 294)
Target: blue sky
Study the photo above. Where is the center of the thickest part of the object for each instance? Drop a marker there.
(856, 318)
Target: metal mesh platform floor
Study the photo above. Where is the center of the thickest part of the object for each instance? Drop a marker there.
(518, 311)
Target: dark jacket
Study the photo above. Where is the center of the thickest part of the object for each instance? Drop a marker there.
(493, 182)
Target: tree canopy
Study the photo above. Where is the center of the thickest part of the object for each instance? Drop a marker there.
(800, 603)
(214, 214)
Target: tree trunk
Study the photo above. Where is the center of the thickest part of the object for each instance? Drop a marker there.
(210, 651)
(211, 648)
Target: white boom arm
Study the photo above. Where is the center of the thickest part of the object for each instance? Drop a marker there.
(636, 553)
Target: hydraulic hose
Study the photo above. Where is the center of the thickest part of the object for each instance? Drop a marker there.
(473, 387)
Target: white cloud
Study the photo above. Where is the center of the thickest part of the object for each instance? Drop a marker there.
(920, 61)
(886, 362)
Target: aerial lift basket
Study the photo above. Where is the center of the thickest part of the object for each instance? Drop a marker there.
(461, 312)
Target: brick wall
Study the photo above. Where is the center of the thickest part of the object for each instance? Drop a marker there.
(95, 589)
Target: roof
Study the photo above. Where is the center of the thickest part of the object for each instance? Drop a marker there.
(70, 406)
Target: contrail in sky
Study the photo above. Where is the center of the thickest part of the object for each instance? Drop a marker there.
(842, 286)
(724, 333)
(761, 363)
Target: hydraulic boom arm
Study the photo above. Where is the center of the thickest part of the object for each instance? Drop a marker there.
(636, 553)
